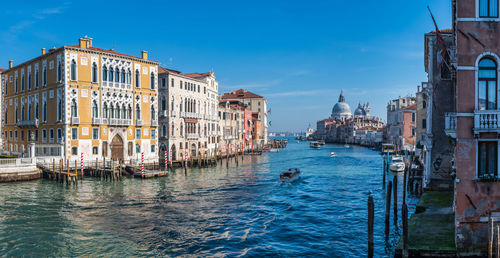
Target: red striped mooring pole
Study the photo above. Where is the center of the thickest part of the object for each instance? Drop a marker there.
(142, 164)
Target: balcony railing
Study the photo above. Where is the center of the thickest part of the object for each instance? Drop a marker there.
(120, 122)
(28, 123)
(191, 115)
(154, 122)
(192, 136)
(96, 121)
(138, 122)
(75, 120)
(450, 124)
(486, 121)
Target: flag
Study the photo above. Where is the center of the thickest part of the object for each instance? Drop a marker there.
(441, 50)
(269, 111)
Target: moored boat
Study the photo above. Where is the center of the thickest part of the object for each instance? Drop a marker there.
(291, 175)
(314, 145)
(321, 142)
(397, 164)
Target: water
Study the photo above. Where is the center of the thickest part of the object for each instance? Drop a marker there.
(235, 211)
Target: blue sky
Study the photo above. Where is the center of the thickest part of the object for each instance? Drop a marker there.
(299, 54)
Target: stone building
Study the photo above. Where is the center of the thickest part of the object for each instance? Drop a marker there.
(256, 104)
(232, 125)
(79, 99)
(188, 114)
(401, 118)
(2, 87)
(476, 58)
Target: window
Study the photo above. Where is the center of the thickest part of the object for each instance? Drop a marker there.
(424, 123)
(137, 112)
(117, 75)
(29, 79)
(95, 134)
(488, 8)
(44, 111)
(129, 76)
(74, 110)
(138, 133)
(59, 71)
(37, 111)
(22, 135)
(424, 104)
(153, 148)
(44, 76)
(163, 82)
(137, 148)
(153, 134)
(51, 135)
(137, 79)
(130, 149)
(95, 150)
(22, 81)
(413, 117)
(164, 131)
(73, 70)
(74, 150)
(105, 111)
(94, 72)
(59, 134)
(163, 104)
(153, 113)
(487, 84)
(104, 73)
(487, 158)
(95, 112)
(110, 74)
(44, 135)
(74, 133)
(152, 80)
(123, 76)
(172, 82)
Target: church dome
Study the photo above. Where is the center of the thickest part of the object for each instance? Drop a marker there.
(341, 110)
(360, 111)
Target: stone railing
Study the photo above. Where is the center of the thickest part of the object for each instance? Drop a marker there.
(154, 122)
(191, 115)
(28, 123)
(192, 136)
(485, 121)
(450, 124)
(75, 120)
(96, 121)
(138, 122)
(120, 122)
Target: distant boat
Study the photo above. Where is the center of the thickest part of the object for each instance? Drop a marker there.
(321, 142)
(314, 145)
(397, 164)
(347, 146)
(332, 154)
(291, 175)
(274, 150)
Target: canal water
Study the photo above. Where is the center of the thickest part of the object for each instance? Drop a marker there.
(233, 211)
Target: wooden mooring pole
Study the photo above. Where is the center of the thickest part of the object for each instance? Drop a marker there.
(371, 212)
(404, 213)
(490, 236)
(395, 192)
(388, 208)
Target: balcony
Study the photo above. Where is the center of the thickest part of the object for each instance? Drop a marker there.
(450, 124)
(486, 121)
(138, 122)
(229, 137)
(75, 120)
(28, 123)
(119, 122)
(96, 121)
(192, 136)
(104, 121)
(154, 122)
(191, 115)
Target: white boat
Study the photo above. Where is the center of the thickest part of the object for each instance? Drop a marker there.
(274, 150)
(332, 154)
(315, 145)
(397, 164)
(347, 146)
(291, 175)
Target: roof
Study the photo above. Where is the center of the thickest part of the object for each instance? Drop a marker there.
(1, 70)
(197, 75)
(109, 51)
(412, 106)
(241, 93)
(444, 31)
(166, 70)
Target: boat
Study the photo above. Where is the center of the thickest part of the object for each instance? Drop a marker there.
(274, 150)
(347, 146)
(333, 154)
(265, 149)
(321, 142)
(291, 175)
(314, 145)
(397, 164)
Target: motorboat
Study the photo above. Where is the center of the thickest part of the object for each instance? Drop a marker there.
(291, 175)
(321, 142)
(315, 145)
(347, 146)
(397, 164)
(333, 154)
(274, 150)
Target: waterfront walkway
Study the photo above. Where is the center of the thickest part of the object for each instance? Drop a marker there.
(431, 229)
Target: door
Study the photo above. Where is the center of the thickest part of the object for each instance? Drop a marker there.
(117, 148)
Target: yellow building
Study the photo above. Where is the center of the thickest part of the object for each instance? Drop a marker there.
(79, 99)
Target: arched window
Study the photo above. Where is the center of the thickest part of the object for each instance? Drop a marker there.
(137, 112)
(129, 76)
(137, 79)
(182, 130)
(173, 129)
(129, 112)
(152, 113)
(118, 111)
(104, 73)
(152, 80)
(22, 112)
(123, 76)
(487, 84)
(111, 73)
(163, 131)
(29, 111)
(44, 111)
(37, 113)
(94, 109)
(73, 70)
(59, 71)
(94, 72)
(424, 104)
(124, 112)
(117, 75)
(163, 104)
(111, 111)
(74, 112)
(105, 111)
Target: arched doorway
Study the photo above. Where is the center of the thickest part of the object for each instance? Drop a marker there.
(117, 148)
(173, 152)
(193, 150)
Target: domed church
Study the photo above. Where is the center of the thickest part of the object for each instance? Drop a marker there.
(342, 110)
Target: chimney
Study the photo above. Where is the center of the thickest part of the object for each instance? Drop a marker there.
(43, 51)
(11, 63)
(144, 54)
(85, 42)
